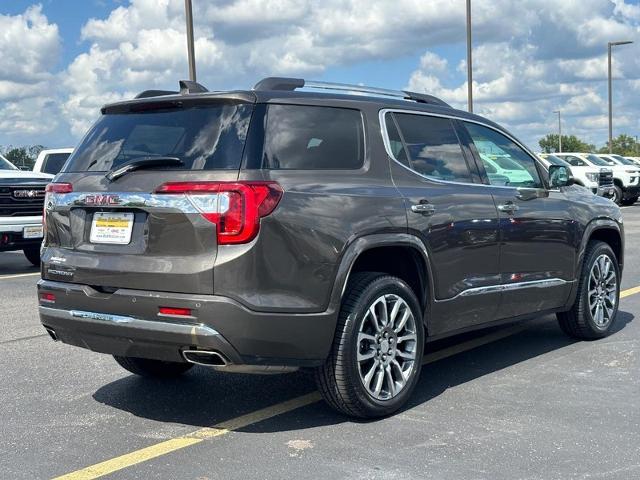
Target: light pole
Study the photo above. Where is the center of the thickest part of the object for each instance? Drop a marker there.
(609, 45)
(190, 45)
(559, 131)
(469, 62)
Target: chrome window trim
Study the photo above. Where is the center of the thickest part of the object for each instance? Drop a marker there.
(507, 287)
(387, 145)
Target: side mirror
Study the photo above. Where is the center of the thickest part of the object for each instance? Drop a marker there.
(560, 176)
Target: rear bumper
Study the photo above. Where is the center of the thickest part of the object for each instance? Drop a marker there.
(127, 323)
(11, 229)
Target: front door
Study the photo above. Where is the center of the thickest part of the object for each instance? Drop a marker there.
(538, 236)
(453, 214)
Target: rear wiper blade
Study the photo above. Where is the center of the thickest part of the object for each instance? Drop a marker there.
(140, 163)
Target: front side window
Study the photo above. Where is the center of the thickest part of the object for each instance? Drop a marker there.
(513, 166)
(596, 160)
(313, 138)
(433, 146)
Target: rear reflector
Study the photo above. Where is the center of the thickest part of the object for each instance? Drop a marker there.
(234, 207)
(47, 297)
(183, 312)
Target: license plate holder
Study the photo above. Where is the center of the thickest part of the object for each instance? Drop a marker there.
(34, 231)
(111, 228)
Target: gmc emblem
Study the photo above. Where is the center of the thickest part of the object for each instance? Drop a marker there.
(102, 200)
(28, 193)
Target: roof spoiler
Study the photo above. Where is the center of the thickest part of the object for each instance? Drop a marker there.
(291, 84)
(186, 87)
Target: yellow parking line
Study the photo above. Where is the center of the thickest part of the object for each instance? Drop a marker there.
(133, 458)
(629, 291)
(7, 277)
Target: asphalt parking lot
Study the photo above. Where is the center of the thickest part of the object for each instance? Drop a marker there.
(518, 402)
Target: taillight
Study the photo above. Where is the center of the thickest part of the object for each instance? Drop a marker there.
(47, 298)
(180, 312)
(53, 188)
(235, 207)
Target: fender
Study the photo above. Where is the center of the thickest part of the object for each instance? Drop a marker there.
(364, 243)
(604, 223)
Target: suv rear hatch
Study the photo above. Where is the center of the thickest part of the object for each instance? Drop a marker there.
(149, 194)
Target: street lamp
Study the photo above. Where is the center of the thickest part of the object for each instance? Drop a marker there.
(469, 63)
(559, 131)
(190, 46)
(609, 45)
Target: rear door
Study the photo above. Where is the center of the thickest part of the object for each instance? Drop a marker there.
(130, 232)
(538, 234)
(453, 214)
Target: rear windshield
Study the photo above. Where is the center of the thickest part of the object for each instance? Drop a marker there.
(203, 137)
(6, 164)
(305, 137)
(54, 162)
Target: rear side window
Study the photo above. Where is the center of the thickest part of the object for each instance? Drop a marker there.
(313, 138)
(54, 162)
(434, 148)
(203, 137)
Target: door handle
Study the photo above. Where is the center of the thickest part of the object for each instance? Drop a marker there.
(423, 208)
(508, 207)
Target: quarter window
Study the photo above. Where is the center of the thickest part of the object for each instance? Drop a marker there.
(510, 164)
(433, 147)
(313, 138)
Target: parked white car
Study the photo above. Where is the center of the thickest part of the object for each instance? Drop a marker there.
(21, 203)
(51, 161)
(585, 175)
(626, 178)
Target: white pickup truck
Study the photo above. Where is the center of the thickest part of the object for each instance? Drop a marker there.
(51, 161)
(21, 203)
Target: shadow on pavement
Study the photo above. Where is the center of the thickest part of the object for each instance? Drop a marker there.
(15, 263)
(204, 397)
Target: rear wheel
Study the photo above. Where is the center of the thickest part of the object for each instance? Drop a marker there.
(152, 368)
(32, 253)
(594, 312)
(376, 355)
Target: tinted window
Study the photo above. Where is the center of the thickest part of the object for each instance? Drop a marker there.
(54, 162)
(553, 160)
(395, 141)
(210, 137)
(6, 164)
(434, 149)
(573, 160)
(519, 167)
(606, 160)
(596, 160)
(304, 138)
(622, 160)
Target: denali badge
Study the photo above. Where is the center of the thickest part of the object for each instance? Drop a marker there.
(28, 193)
(99, 199)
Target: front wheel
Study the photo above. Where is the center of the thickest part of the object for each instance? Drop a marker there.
(152, 368)
(376, 357)
(594, 312)
(617, 195)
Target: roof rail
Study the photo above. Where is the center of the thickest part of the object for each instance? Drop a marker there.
(290, 84)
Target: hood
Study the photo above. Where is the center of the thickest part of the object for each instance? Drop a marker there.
(24, 175)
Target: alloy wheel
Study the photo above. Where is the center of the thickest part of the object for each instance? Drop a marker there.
(602, 291)
(387, 343)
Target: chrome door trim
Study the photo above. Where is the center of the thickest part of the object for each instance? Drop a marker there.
(507, 287)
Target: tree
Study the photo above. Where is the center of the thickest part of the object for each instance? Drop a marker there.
(570, 143)
(23, 157)
(625, 145)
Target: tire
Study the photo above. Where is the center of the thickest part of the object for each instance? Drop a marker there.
(617, 195)
(32, 253)
(341, 380)
(581, 321)
(629, 201)
(153, 368)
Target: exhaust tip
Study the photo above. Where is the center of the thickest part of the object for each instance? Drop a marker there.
(52, 333)
(206, 358)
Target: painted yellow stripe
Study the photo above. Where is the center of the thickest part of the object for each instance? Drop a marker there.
(629, 291)
(7, 277)
(168, 446)
(193, 438)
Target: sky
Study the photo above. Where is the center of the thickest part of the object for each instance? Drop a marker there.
(63, 59)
